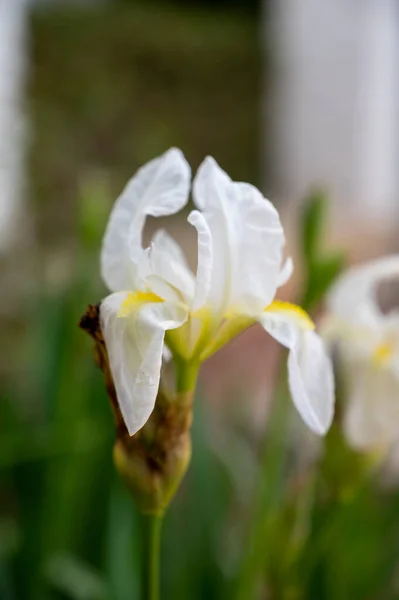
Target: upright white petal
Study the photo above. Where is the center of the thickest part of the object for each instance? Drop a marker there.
(371, 419)
(353, 296)
(135, 345)
(261, 246)
(159, 188)
(310, 373)
(168, 273)
(287, 270)
(247, 240)
(205, 259)
(213, 194)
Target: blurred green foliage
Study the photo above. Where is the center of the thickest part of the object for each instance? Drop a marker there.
(321, 267)
(243, 5)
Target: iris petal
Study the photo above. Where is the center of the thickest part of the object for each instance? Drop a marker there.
(159, 188)
(135, 345)
(310, 373)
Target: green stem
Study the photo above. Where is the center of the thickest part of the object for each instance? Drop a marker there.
(186, 375)
(152, 547)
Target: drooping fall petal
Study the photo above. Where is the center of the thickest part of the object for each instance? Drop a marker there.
(310, 373)
(134, 328)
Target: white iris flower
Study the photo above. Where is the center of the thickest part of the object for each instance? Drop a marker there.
(367, 341)
(159, 302)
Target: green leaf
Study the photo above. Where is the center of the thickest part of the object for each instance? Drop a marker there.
(123, 545)
(77, 580)
(321, 267)
(313, 217)
(321, 275)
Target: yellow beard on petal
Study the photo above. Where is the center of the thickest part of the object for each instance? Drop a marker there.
(382, 353)
(293, 310)
(135, 299)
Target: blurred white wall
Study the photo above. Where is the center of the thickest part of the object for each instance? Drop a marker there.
(334, 109)
(12, 124)
(15, 224)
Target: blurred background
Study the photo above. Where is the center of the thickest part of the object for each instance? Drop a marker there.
(291, 95)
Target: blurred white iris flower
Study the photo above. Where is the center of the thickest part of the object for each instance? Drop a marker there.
(367, 341)
(159, 303)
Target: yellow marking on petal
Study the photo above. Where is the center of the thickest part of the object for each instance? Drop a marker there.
(135, 299)
(292, 310)
(382, 353)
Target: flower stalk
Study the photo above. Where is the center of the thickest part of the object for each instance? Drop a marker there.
(186, 379)
(152, 527)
